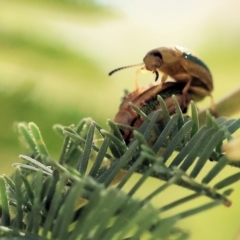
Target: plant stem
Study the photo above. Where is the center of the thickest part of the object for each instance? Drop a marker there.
(227, 106)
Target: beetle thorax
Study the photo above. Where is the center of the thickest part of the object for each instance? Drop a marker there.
(169, 54)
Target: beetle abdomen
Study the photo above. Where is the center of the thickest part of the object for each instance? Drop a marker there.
(196, 82)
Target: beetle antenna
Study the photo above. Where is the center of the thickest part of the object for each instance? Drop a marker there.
(118, 69)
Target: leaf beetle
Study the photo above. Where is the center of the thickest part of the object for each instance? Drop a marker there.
(146, 100)
(183, 66)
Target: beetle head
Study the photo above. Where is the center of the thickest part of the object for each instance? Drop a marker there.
(153, 60)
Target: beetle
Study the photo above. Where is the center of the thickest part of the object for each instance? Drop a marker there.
(146, 100)
(183, 66)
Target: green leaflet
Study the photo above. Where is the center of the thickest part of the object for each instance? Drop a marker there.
(51, 199)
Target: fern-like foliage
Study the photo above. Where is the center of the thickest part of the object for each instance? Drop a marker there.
(79, 195)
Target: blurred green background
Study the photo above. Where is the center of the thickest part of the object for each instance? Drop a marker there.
(55, 57)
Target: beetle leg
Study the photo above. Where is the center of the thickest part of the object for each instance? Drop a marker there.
(164, 78)
(187, 86)
(198, 93)
(184, 78)
(140, 70)
(136, 78)
(185, 91)
(213, 107)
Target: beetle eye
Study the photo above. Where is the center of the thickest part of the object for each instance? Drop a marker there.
(157, 54)
(157, 64)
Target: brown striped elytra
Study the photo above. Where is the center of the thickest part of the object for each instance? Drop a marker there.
(146, 100)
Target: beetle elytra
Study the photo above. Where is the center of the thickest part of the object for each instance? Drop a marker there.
(146, 100)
